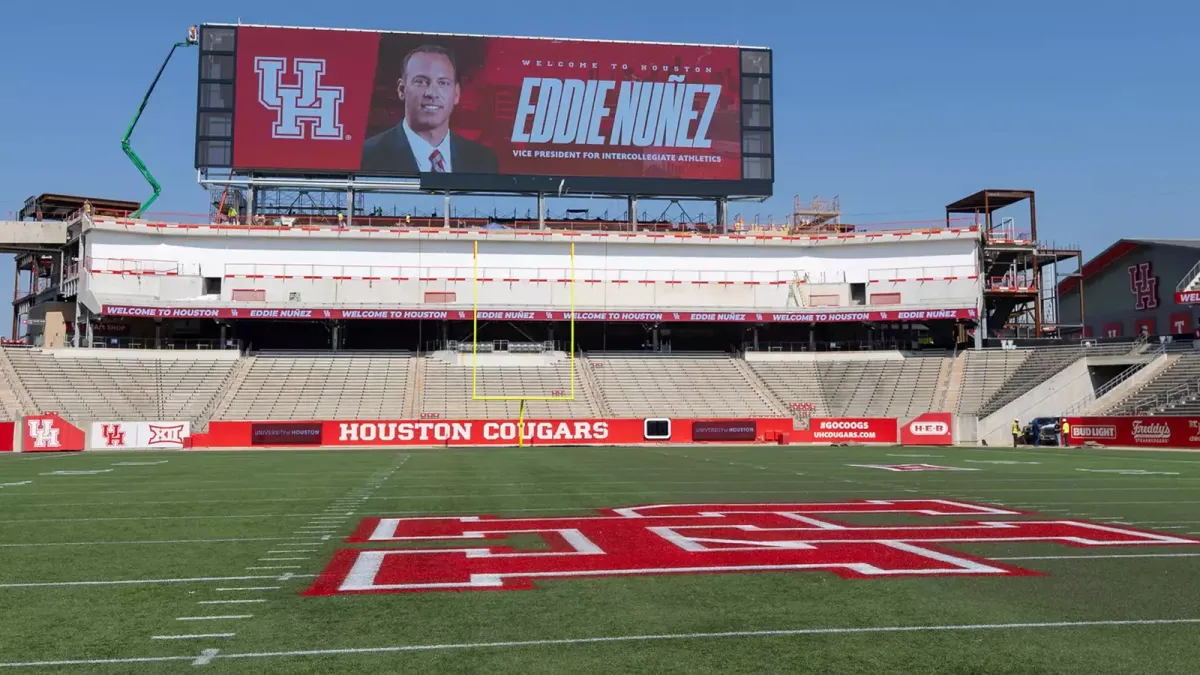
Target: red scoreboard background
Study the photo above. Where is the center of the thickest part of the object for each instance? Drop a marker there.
(324, 100)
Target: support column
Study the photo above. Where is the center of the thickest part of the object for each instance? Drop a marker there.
(654, 338)
(158, 333)
(16, 285)
(224, 332)
(755, 338)
(251, 203)
(75, 338)
(337, 336)
(349, 206)
(446, 215)
(723, 215)
(541, 210)
(632, 204)
(89, 335)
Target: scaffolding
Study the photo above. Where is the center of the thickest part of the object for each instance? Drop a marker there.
(818, 215)
(1020, 274)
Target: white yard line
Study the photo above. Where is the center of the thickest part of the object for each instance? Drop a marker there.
(96, 520)
(188, 637)
(213, 655)
(1101, 557)
(223, 617)
(250, 588)
(123, 582)
(232, 602)
(146, 541)
(274, 567)
(302, 557)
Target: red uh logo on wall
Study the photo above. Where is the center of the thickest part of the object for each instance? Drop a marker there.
(1144, 286)
(114, 435)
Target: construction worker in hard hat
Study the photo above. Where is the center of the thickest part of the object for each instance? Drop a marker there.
(1016, 432)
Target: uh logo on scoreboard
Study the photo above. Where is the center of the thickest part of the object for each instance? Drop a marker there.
(304, 106)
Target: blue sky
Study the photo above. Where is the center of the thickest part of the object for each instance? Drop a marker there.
(898, 108)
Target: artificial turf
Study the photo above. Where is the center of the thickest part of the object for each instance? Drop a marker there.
(213, 515)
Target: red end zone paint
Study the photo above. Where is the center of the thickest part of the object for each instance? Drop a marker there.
(696, 539)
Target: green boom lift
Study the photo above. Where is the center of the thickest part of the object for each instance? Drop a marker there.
(137, 161)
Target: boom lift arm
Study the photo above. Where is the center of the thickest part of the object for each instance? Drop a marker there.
(127, 148)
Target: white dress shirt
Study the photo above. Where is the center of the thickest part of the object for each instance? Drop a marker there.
(422, 149)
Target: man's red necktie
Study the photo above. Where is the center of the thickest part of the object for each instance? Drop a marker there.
(437, 161)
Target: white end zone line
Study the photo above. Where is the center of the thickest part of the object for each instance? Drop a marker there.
(209, 655)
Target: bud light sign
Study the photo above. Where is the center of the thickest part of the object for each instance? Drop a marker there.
(1136, 432)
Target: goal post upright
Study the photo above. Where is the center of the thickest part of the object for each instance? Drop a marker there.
(522, 398)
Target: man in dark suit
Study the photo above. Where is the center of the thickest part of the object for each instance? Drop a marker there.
(423, 142)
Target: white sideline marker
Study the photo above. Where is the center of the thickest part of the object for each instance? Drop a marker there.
(181, 637)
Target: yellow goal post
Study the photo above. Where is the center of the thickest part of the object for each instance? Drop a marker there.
(522, 398)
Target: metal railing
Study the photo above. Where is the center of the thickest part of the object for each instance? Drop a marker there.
(937, 273)
(1160, 402)
(1124, 375)
(1188, 278)
(501, 346)
(164, 343)
(843, 346)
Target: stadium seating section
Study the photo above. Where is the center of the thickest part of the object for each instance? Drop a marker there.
(113, 384)
(1174, 391)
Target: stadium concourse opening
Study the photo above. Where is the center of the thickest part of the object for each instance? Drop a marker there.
(599, 335)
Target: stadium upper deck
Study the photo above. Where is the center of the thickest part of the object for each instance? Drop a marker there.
(815, 282)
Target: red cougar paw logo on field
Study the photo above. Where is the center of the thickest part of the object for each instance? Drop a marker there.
(696, 539)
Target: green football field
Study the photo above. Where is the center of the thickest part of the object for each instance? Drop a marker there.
(225, 562)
